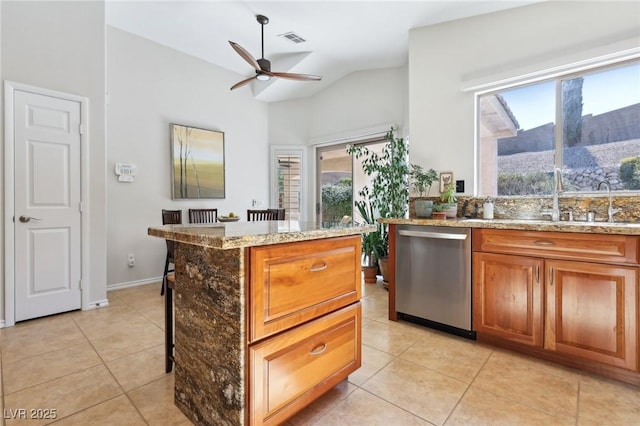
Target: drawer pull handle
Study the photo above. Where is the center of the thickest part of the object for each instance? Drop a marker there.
(319, 349)
(544, 243)
(318, 268)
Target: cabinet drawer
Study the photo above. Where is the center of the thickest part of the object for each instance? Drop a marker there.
(291, 369)
(294, 283)
(559, 245)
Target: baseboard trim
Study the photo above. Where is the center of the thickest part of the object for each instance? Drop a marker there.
(136, 283)
(2, 324)
(98, 304)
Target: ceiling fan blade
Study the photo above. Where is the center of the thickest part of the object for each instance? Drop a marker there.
(243, 82)
(245, 55)
(292, 76)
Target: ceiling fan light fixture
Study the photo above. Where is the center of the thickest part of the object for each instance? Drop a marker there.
(262, 66)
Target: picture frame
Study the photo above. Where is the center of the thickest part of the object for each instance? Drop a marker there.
(445, 179)
(197, 163)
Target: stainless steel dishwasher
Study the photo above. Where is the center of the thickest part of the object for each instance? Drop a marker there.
(433, 277)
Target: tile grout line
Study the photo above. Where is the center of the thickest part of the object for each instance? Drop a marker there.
(104, 363)
(521, 402)
(467, 389)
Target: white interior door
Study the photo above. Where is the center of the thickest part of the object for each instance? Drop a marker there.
(47, 209)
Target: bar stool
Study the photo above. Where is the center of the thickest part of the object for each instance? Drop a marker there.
(258, 215)
(203, 215)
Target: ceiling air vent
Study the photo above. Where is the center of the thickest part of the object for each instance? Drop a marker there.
(292, 37)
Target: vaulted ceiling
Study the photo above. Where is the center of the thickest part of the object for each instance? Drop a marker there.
(341, 37)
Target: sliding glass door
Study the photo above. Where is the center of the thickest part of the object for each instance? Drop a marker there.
(339, 179)
(334, 184)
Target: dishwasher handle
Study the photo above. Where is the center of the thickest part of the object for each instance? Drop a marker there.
(434, 235)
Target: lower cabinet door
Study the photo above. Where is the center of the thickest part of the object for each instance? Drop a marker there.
(289, 370)
(592, 312)
(507, 297)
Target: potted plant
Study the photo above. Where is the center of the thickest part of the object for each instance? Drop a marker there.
(389, 194)
(421, 181)
(372, 243)
(449, 202)
(438, 211)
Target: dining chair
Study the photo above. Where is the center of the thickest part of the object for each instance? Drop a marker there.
(169, 217)
(258, 215)
(279, 212)
(203, 215)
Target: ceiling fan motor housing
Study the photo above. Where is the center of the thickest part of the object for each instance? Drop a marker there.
(265, 64)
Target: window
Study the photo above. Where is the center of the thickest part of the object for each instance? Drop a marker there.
(587, 124)
(287, 181)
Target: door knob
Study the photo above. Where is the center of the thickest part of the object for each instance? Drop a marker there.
(25, 219)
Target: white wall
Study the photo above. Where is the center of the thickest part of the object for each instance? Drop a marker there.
(358, 103)
(61, 46)
(151, 86)
(445, 57)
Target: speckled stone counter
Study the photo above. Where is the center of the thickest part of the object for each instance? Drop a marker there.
(527, 225)
(210, 310)
(250, 234)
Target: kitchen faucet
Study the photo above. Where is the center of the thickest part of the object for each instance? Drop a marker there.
(558, 187)
(610, 211)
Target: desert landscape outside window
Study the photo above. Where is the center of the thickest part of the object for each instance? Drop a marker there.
(587, 124)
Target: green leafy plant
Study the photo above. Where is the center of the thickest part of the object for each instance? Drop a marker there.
(422, 180)
(389, 173)
(336, 200)
(372, 242)
(630, 172)
(448, 196)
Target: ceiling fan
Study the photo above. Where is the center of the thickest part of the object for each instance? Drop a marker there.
(262, 65)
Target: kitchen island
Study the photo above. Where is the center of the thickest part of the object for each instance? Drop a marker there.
(267, 317)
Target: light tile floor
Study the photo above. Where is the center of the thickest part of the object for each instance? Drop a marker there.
(106, 367)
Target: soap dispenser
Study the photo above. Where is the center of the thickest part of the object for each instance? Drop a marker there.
(487, 209)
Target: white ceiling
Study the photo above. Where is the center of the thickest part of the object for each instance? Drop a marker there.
(342, 36)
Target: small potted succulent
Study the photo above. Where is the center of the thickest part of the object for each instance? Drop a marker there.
(449, 202)
(421, 182)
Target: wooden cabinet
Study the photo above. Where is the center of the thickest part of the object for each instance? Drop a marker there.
(304, 321)
(592, 313)
(292, 368)
(507, 297)
(571, 295)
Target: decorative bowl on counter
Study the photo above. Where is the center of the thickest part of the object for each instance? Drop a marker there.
(228, 218)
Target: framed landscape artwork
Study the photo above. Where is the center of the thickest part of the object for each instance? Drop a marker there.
(197, 163)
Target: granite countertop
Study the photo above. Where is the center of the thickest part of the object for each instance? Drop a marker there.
(527, 225)
(246, 234)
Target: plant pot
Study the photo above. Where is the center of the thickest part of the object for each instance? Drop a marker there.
(370, 276)
(439, 215)
(452, 211)
(423, 208)
(384, 270)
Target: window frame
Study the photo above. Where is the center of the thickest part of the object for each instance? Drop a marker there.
(556, 75)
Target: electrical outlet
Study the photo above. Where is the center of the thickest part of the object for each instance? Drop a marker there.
(131, 259)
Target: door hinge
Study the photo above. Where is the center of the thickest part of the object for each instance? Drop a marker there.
(80, 207)
(80, 129)
(80, 283)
